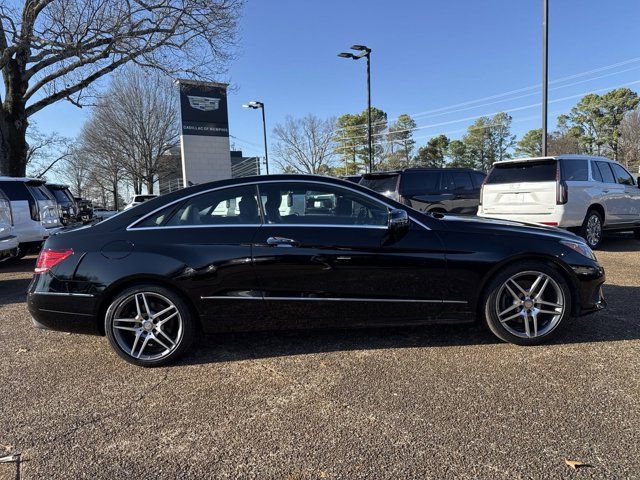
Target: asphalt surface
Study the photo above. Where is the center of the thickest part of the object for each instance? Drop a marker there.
(429, 402)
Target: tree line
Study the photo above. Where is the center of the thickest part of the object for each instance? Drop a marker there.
(607, 125)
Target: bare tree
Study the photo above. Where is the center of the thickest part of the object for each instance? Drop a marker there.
(45, 150)
(133, 125)
(77, 171)
(52, 50)
(304, 145)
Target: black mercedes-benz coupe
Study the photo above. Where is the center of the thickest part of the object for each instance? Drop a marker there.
(288, 251)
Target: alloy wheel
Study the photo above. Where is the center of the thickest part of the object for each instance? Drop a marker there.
(147, 326)
(530, 304)
(594, 230)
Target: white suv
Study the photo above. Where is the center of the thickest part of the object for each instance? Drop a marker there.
(583, 193)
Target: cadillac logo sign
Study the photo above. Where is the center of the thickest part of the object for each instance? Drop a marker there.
(206, 104)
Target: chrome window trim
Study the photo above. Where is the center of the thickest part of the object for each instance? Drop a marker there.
(332, 299)
(132, 226)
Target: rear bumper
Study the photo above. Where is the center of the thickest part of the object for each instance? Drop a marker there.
(64, 312)
(560, 217)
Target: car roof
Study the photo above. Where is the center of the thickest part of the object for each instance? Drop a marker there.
(20, 179)
(420, 169)
(555, 157)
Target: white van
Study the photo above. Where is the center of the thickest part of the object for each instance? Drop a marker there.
(8, 241)
(584, 193)
(35, 212)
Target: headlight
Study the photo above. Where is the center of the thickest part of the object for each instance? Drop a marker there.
(581, 248)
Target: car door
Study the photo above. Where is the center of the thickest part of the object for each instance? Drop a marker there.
(332, 260)
(466, 196)
(210, 235)
(630, 200)
(612, 194)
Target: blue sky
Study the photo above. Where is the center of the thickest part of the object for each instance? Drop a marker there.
(427, 55)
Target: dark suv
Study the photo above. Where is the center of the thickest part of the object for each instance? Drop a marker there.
(444, 190)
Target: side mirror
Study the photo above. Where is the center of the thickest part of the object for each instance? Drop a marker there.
(398, 220)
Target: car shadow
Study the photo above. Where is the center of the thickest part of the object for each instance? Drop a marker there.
(619, 242)
(14, 288)
(617, 323)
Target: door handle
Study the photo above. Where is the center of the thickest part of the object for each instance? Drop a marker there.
(281, 242)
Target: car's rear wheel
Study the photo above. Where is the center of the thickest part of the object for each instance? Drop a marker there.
(149, 325)
(591, 229)
(527, 304)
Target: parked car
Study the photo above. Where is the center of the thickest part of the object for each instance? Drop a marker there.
(438, 190)
(586, 194)
(138, 199)
(101, 213)
(8, 240)
(85, 210)
(65, 201)
(35, 212)
(220, 256)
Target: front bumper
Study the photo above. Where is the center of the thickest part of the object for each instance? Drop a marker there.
(590, 280)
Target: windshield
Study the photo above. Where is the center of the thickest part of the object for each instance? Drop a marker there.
(521, 172)
(380, 183)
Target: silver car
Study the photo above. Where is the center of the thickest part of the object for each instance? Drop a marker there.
(35, 213)
(8, 240)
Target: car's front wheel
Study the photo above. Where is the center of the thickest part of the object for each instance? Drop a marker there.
(527, 304)
(149, 325)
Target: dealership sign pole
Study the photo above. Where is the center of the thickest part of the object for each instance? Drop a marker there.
(545, 68)
(204, 136)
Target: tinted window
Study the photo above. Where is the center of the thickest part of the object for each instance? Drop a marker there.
(477, 178)
(519, 172)
(462, 181)
(39, 192)
(622, 176)
(230, 206)
(316, 204)
(60, 195)
(15, 190)
(595, 172)
(605, 172)
(380, 183)
(419, 183)
(575, 170)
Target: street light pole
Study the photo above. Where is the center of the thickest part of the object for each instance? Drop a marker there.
(255, 105)
(366, 53)
(545, 68)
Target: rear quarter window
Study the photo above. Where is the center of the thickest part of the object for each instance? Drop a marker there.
(419, 183)
(574, 170)
(521, 172)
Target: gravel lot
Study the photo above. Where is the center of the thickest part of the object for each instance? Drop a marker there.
(429, 402)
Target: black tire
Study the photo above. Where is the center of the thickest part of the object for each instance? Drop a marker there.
(593, 239)
(177, 337)
(504, 330)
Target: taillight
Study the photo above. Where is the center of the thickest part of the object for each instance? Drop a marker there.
(482, 186)
(49, 258)
(562, 191)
